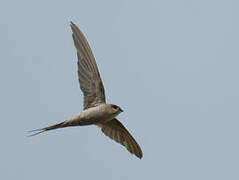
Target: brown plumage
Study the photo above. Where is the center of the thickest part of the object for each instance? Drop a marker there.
(95, 110)
(116, 131)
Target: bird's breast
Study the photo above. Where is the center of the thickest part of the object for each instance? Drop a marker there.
(98, 114)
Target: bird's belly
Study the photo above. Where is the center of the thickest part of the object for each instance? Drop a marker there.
(103, 117)
(97, 115)
(105, 120)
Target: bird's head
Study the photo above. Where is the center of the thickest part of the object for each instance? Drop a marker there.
(115, 109)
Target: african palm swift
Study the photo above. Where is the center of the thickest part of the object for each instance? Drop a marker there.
(95, 111)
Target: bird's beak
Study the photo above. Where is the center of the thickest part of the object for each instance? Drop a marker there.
(121, 110)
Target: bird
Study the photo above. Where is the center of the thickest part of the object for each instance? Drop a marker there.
(95, 109)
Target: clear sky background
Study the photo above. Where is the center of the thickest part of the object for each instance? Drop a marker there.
(172, 65)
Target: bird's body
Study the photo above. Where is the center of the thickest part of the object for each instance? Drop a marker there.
(95, 111)
(100, 114)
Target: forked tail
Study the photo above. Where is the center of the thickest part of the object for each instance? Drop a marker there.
(38, 131)
(70, 122)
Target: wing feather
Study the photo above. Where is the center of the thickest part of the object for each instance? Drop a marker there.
(88, 73)
(116, 131)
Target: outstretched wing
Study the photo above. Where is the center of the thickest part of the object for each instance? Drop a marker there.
(88, 73)
(116, 131)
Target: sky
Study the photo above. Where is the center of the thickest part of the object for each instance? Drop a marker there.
(171, 65)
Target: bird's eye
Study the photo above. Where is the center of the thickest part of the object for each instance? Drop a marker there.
(114, 106)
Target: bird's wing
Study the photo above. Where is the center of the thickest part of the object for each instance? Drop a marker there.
(88, 73)
(116, 131)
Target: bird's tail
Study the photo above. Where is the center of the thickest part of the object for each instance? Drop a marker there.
(70, 122)
(56, 126)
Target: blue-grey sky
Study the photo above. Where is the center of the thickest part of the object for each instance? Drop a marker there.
(171, 65)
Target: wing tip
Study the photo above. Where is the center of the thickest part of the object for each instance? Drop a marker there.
(140, 156)
(71, 23)
(73, 26)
